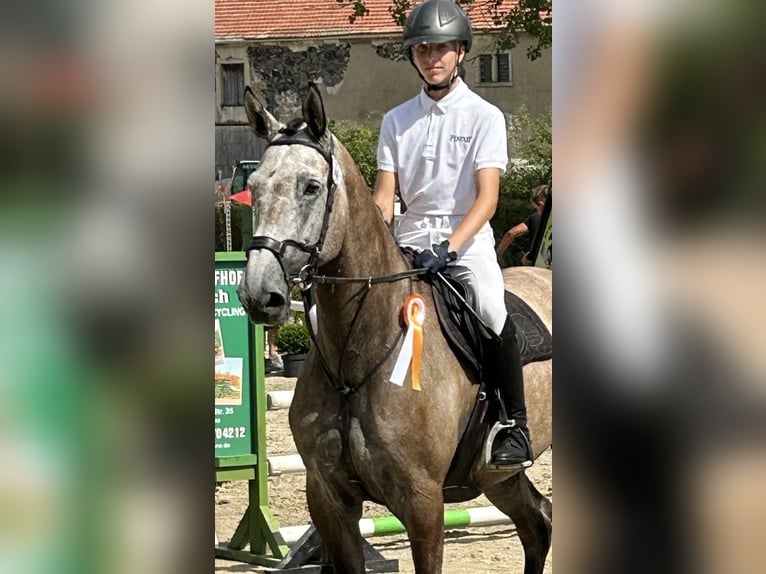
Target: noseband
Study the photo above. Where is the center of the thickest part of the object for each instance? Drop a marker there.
(293, 134)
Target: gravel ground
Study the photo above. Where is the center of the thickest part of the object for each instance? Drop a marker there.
(472, 550)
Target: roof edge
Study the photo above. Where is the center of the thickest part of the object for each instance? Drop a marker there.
(364, 36)
(371, 36)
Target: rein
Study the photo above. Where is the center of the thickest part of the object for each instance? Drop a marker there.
(307, 296)
(373, 280)
(336, 381)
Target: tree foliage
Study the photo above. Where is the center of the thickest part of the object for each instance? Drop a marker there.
(361, 141)
(530, 165)
(533, 17)
(531, 138)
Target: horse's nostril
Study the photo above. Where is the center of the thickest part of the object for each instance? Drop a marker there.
(274, 299)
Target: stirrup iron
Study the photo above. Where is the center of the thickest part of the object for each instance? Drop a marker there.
(490, 442)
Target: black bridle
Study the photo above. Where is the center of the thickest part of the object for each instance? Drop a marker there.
(294, 134)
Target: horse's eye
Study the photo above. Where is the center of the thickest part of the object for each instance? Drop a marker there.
(312, 188)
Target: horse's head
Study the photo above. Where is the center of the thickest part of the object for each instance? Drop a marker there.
(298, 192)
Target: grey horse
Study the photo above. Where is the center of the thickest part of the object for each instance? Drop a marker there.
(360, 436)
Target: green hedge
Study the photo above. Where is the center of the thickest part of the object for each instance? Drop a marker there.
(293, 339)
(530, 144)
(361, 141)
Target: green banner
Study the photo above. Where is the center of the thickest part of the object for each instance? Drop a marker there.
(233, 364)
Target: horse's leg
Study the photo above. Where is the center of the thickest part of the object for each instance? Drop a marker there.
(532, 514)
(336, 516)
(421, 510)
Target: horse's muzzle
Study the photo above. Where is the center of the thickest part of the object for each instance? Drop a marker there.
(263, 292)
(268, 308)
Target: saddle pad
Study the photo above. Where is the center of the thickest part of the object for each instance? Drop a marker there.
(534, 339)
(466, 335)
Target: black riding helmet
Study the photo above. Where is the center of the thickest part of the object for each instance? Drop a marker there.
(436, 21)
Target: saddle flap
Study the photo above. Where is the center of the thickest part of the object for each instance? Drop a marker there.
(463, 332)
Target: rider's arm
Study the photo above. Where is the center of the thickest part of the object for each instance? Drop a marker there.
(385, 188)
(482, 210)
(510, 235)
(386, 182)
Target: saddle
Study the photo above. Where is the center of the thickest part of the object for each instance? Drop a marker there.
(454, 299)
(466, 333)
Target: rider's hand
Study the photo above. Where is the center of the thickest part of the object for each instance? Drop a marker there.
(525, 259)
(436, 258)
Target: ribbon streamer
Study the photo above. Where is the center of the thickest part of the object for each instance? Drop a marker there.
(411, 353)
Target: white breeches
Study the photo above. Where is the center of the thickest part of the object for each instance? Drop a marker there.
(478, 255)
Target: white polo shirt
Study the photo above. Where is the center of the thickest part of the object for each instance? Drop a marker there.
(436, 147)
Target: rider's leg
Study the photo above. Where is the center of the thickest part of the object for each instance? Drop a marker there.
(502, 359)
(503, 363)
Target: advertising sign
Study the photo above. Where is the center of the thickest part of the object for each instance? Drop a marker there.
(233, 372)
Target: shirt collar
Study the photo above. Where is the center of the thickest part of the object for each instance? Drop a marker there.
(457, 93)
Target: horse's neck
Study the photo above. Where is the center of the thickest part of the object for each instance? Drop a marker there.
(368, 250)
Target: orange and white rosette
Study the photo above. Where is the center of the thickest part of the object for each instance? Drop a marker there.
(411, 353)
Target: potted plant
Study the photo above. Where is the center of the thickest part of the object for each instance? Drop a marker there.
(293, 343)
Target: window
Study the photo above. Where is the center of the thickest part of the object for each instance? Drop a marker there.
(485, 69)
(503, 68)
(495, 68)
(233, 81)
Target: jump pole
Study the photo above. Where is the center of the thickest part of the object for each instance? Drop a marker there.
(278, 400)
(285, 464)
(388, 525)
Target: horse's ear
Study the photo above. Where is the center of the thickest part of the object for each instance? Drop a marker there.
(263, 123)
(313, 112)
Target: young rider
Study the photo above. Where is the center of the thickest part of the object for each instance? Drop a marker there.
(446, 149)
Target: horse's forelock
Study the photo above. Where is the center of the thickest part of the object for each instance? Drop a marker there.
(294, 125)
(299, 125)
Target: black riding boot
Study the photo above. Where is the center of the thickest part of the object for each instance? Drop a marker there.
(513, 447)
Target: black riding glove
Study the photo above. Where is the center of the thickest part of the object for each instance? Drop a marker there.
(436, 258)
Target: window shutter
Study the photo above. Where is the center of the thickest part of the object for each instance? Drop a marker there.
(485, 69)
(233, 77)
(503, 68)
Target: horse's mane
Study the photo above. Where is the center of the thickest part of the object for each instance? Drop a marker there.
(366, 230)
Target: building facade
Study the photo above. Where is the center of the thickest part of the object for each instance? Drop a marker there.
(360, 67)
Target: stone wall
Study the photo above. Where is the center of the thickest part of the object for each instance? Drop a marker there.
(282, 75)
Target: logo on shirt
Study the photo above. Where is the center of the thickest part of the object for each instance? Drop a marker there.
(461, 139)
